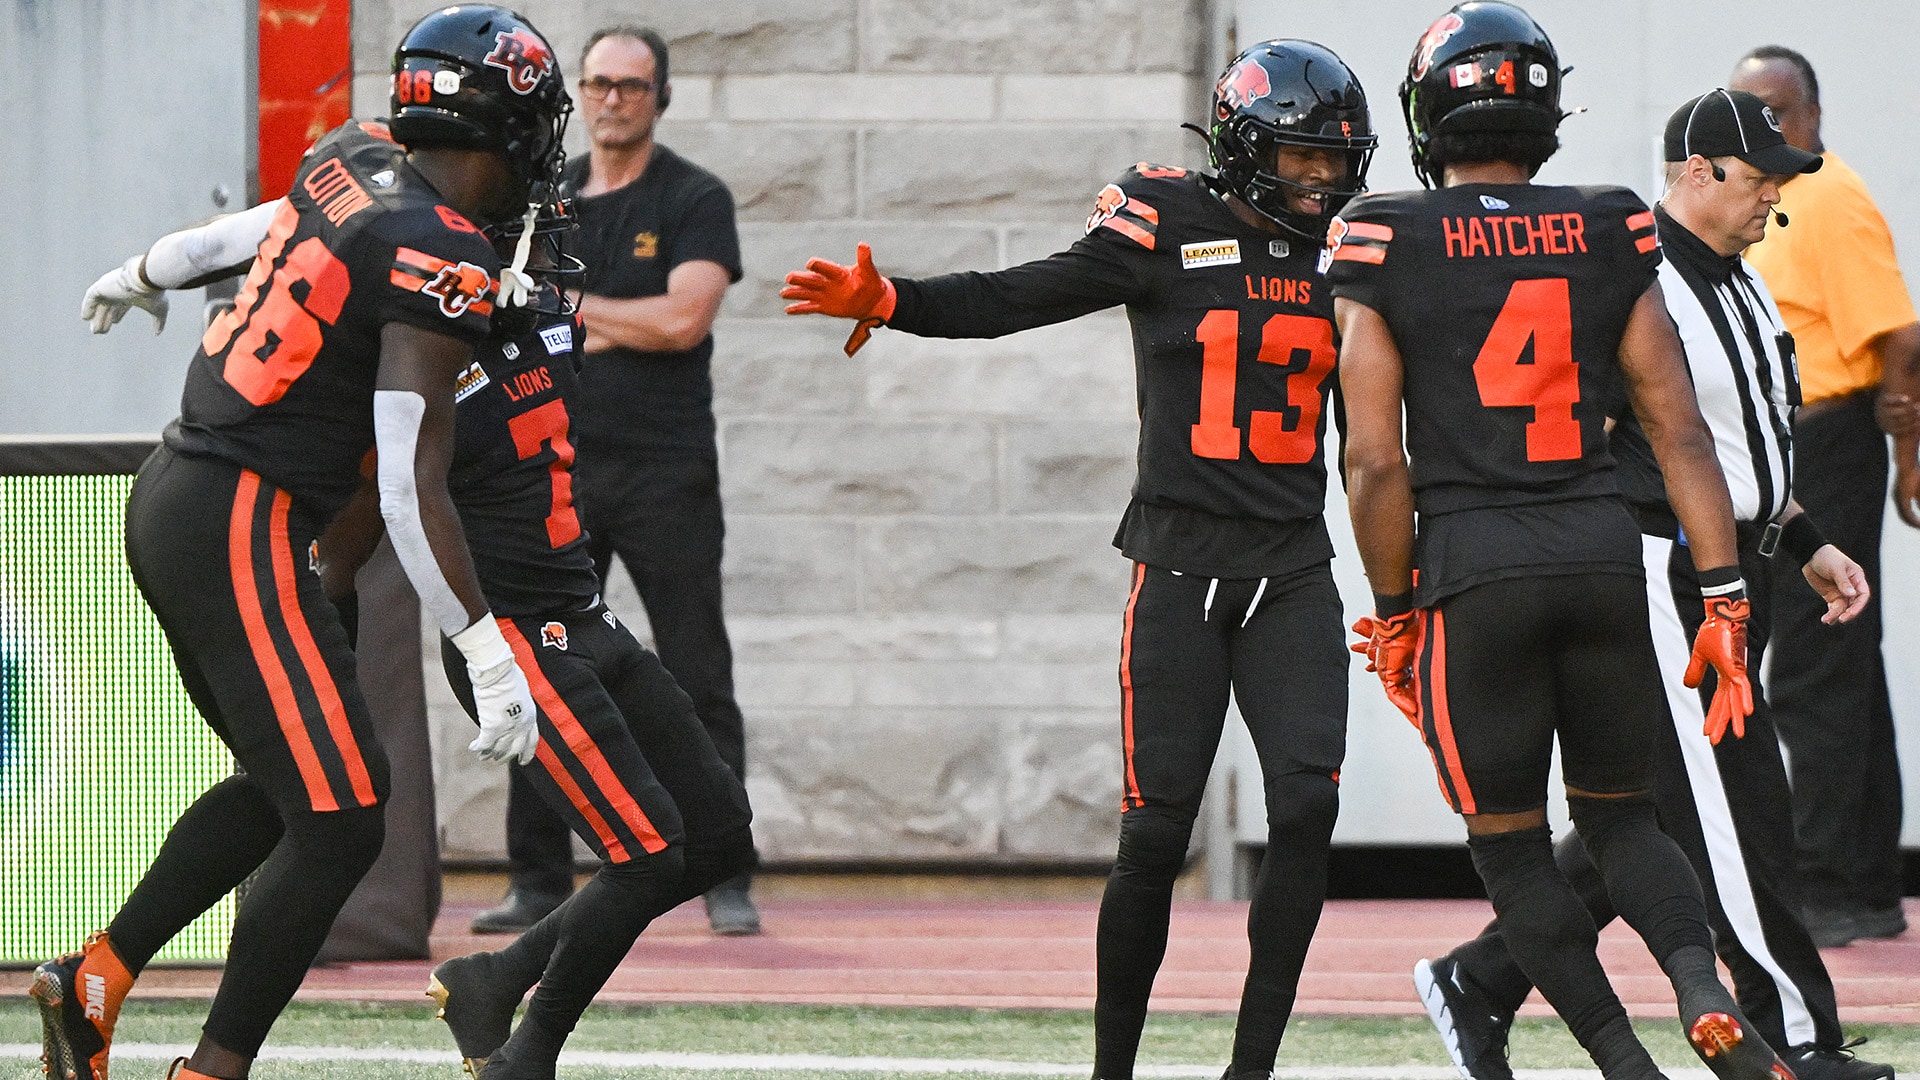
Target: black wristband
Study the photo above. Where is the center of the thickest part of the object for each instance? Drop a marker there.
(1800, 537)
(1722, 583)
(1386, 607)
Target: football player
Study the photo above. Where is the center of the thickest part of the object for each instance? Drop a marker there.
(622, 755)
(362, 306)
(1505, 318)
(1234, 354)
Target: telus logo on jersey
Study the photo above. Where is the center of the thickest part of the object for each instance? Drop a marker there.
(558, 339)
(1209, 253)
(523, 57)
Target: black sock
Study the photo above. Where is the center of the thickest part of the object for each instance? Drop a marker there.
(1552, 938)
(599, 926)
(1132, 936)
(286, 917)
(215, 844)
(1287, 897)
(1649, 881)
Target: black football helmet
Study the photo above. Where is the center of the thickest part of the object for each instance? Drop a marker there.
(1287, 92)
(1483, 66)
(480, 77)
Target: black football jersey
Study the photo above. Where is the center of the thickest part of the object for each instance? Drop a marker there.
(1233, 356)
(1508, 303)
(512, 472)
(283, 383)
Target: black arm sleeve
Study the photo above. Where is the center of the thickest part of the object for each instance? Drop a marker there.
(1095, 273)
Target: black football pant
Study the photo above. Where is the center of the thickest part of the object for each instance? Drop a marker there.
(624, 760)
(1276, 646)
(1727, 807)
(1508, 668)
(1829, 683)
(221, 556)
(661, 514)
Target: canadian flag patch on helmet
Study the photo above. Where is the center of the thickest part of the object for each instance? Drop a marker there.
(523, 56)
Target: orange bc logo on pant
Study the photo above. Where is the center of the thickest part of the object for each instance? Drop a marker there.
(554, 636)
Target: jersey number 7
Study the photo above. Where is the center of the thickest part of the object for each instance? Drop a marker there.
(1538, 310)
(1269, 436)
(534, 430)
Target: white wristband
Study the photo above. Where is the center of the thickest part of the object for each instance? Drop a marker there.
(482, 644)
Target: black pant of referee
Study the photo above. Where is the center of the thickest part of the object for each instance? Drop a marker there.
(1829, 688)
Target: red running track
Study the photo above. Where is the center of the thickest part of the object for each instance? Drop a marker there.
(927, 952)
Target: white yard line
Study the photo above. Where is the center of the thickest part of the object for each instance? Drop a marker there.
(830, 1063)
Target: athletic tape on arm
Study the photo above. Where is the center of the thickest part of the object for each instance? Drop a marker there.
(396, 432)
(180, 257)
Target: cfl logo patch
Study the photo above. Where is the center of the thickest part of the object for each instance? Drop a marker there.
(553, 635)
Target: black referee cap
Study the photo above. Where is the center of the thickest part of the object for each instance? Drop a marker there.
(1723, 123)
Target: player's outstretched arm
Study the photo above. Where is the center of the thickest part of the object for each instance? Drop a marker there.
(1661, 391)
(179, 260)
(1380, 497)
(413, 412)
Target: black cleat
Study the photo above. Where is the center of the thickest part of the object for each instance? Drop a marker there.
(1733, 1050)
(730, 910)
(479, 1013)
(1810, 1062)
(517, 913)
(1474, 1031)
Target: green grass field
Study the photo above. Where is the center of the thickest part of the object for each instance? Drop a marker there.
(1202, 1041)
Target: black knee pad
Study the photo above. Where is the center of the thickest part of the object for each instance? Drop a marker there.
(1604, 825)
(1536, 905)
(1153, 841)
(648, 876)
(1301, 808)
(709, 863)
(347, 841)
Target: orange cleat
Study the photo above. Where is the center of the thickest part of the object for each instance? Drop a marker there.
(79, 997)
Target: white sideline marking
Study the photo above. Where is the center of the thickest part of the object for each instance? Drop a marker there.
(829, 1063)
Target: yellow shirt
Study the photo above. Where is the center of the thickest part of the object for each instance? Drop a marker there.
(1833, 273)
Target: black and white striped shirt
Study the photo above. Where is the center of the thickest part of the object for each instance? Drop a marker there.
(1741, 359)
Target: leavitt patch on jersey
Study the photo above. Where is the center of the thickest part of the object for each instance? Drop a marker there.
(469, 382)
(1209, 253)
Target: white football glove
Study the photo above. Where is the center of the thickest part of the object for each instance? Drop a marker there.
(119, 289)
(501, 700)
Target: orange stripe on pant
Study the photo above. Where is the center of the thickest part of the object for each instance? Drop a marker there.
(246, 595)
(324, 689)
(581, 743)
(1443, 716)
(1131, 797)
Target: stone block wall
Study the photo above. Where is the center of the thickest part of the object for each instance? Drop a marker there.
(923, 598)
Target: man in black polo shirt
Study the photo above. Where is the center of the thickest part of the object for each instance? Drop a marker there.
(657, 236)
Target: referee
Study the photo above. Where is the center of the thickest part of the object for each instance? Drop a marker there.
(1726, 804)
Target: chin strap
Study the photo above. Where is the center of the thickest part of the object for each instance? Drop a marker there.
(516, 285)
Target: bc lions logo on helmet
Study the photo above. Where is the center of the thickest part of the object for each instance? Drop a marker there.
(459, 286)
(523, 56)
(553, 635)
(1244, 83)
(1443, 28)
(1105, 205)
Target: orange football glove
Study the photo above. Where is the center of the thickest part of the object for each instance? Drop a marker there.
(850, 292)
(1722, 642)
(1392, 646)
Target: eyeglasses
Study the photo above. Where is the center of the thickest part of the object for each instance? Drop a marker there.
(600, 86)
